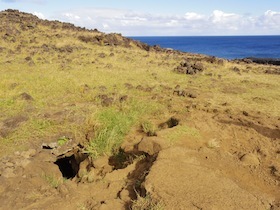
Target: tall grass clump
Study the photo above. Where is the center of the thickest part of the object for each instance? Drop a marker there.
(113, 125)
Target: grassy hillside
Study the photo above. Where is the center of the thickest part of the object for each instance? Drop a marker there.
(58, 80)
(143, 118)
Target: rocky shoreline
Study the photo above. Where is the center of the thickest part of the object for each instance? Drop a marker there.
(271, 61)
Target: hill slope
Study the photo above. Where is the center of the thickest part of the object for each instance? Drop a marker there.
(98, 121)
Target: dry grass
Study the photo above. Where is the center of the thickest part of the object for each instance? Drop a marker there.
(146, 203)
(65, 86)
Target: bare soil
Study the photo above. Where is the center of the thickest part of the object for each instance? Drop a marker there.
(236, 166)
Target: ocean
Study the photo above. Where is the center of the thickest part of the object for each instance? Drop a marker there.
(228, 47)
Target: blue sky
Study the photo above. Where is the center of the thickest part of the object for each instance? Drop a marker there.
(168, 17)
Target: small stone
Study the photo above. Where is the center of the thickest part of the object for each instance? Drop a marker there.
(192, 95)
(52, 145)
(26, 96)
(250, 159)
(245, 113)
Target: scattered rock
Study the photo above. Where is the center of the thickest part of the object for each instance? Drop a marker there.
(236, 69)
(272, 61)
(245, 113)
(128, 86)
(51, 145)
(101, 55)
(188, 68)
(177, 87)
(102, 88)
(273, 71)
(192, 95)
(107, 102)
(275, 170)
(123, 98)
(172, 122)
(179, 92)
(26, 96)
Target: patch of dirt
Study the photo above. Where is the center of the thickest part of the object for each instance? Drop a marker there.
(189, 174)
(59, 177)
(182, 178)
(9, 125)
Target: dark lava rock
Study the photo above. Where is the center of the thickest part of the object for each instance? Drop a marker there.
(272, 61)
(245, 113)
(192, 95)
(123, 98)
(128, 86)
(102, 88)
(170, 123)
(26, 96)
(101, 55)
(107, 102)
(179, 93)
(186, 67)
(273, 71)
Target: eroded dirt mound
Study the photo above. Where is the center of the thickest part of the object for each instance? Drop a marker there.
(64, 177)
(183, 180)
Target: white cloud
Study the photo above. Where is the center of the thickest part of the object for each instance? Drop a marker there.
(270, 19)
(136, 23)
(71, 16)
(193, 16)
(39, 15)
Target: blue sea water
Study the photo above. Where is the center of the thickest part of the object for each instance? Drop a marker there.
(229, 47)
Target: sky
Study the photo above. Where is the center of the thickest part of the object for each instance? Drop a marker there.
(160, 17)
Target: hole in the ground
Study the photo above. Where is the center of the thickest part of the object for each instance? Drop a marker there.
(172, 122)
(66, 167)
(69, 165)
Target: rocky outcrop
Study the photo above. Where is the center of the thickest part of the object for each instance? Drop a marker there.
(272, 61)
(186, 67)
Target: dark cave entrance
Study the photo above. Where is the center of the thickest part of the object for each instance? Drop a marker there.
(69, 165)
